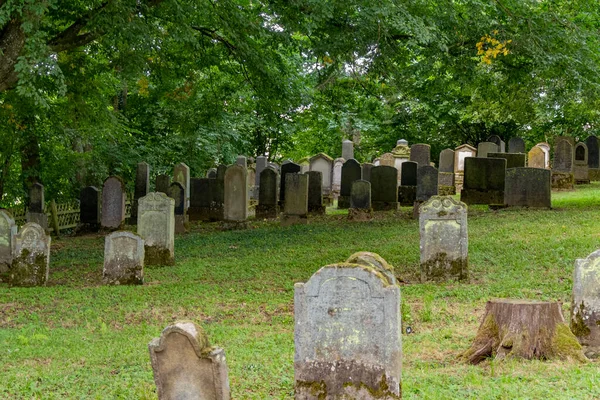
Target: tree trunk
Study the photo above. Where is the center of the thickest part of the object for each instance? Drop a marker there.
(30, 160)
(523, 329)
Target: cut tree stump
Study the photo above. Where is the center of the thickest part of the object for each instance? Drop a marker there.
(524, 329)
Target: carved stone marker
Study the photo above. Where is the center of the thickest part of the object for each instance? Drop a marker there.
(348, 339)
(236, 194)
(295, 210)
(123, 259)
(89, 209)
(186, 366)
(267, 194)
(444, 239)
(156, 225)
(8, 230)
(351, 171)
(113, 203)
(31, 257)
(360, 200)
(527, 187)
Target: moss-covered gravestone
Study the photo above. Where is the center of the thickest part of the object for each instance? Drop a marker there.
(585, 304)
(31, 257)
(315, 193)
(444, 239)
(536, 158)
(156, 225)
(186, 366)
(8, 230)
(123, 259)
(348, 339)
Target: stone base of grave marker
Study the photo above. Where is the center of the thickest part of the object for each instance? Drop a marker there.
(316, 210)
(181, 225)
(343, 202)
(407, 195)
(360, 214)
(562, 181)
(39, 218)
(594, 174)
(384, 206)
(446, 190)
(459, 178)
(266, 211)
(328, 200)
(473, 196)
(581, 174)
(158, 255)
(287, 220)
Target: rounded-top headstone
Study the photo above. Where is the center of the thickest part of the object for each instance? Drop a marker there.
(402, 142)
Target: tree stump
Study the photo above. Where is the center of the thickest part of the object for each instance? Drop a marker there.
(524, 329)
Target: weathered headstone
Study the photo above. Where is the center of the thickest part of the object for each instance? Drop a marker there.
(156, 225)
(546, 149)
(8, 230)
(287, 168)
(261, 164)
(446, 172)
(460, 153)
(499, 142)
(89, 209)
(242, 160)
(348, 338)
(123, 259)
(366, 171)
(31, 257)
(360, 201)
(407, 192)
(186, 366)
(484, 148)
(562, 168)
(200, 198)
(347, 149)
(295, 210)
(527, 187)
(336, 179)
(351, 172)
(421, 154)
(113, 203)
(177, 193)
(444, 239)
(315, 193)
(593, 158)
(236, 194)
(373, 260)
(211, 174)
(536, 158)
(427, 182)
(387, 159)
(324, 164)
(580, 167)
(446, 163)
(181, 174)
(585, 304)
(162, 183)
(384, 188)
(142, 186)
(267, 196)
(513, 160)
(484, 181)
(516, 145)
(35, 210)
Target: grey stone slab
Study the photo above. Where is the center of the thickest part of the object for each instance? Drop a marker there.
(181, 174)
(528, 187)
(315, 193)
(484, 148)
(261, 164)
(336, 178)
(427, 182)
(36, 198)
(123, 259)
(267, 197)
(593, 152)
(296, 187)
(366, 171)
(201, 198)
(513, 160)
(445, 179)
(156, 225)
(484, 181)
(516, 145)
(446, 163)
(563, 156)
(287, 168)
(347, 149)
(113, 203)
(31, 257)
(323, 164)
(242, 160)
(236, 194)
(498, 141)
(421, 154)
(384, 188)
(177, 193)
(351, 171)
(360, 196)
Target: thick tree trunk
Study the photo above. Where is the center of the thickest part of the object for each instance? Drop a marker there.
(12, 40)
(523, 329)
(30, 161)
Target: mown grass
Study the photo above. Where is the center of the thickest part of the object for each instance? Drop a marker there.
(79, 339)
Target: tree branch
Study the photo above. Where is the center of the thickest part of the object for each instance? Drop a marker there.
(70, 38)
(212, 33)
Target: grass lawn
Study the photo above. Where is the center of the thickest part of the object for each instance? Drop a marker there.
(79, 339)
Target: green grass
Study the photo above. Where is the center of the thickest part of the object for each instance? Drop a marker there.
(79, 339)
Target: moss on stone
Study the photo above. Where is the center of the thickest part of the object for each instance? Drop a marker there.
(578, 326)
(26, 272)
(316, 389)
(156, 255)
(381, 392)
(440, 267)
(565, 344)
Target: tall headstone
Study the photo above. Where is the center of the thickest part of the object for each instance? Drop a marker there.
(401, 155)
(8, 230)
(35, 210)
(200, 198)
(384, 188)
(113, 203)
(236, 194)
(315, 193)
(156, 225)
(142, 187)
(513, 160)
(421, 154)
(31, 257)
(323, 164)
(218, 195)
(527, 187)
(516, 145)
(444, 239)
(585, 304)
(347, 149)
(484, 148)
(407, 192)
(562, 168)
(267, 196)
(460, 153)
(446, 172)
(580, 167)
(593, 158)
(261, 164)
(546, 149)
(177, 193)
(536, 158)
(366, 171)
(427, 182)
(336, 178)
(499, 142)
(123, 259)
(89, 209)
(295, 210)
(186, 366)
(348, 335)
(351, 172)
(287, 168)
(181, 174)
(162, 183)
(484, 181)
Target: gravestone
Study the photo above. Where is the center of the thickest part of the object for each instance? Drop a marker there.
(562, 168)
(251, 178)
(446, 161)
(181, 174)
(304, 165)
(8, 230)
(513, 160)
(315, 193)
(35, 210)
(200, 198)
(593, 158)
(407, 192)
(351, 171)
(446, 172)
(460, 153)
(267, 196)
(156, 225)
(162, 183)
(242, 161)
(536, 158)
(348, 335)
(499, 142)
(186, 366)
(295, 210)
(360, 201)
(384, 188)
(444, 239)
(484, 148)
(484, 181)
(527, 187)
(142, 186)
(177, 193)
(401, 155)
(336, 179)
(516, 145)
(113, 203)
(210, 174)
(123, 259)
(580, 167)
(261, 164)
(324, 164)
(287, 168)
(427, 182)
(236, 195)
(585, 304)
(366, 171)
(421, 154)
(347, 149)
(218, 195)
(546, 149)
(387, 159)
(89, 209)
(373, 260)
(31, 257)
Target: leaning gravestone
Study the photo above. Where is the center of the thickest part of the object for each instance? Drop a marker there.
(287, 168)
(421, 154)
(162, 183)
(513, 160)
(384, 188)
(267, 206)
(536, 158)
(89, 209)
(593, 158)
(580, 168)
(484, 181)
(31, 257)
(156, 225)
(499, 142)
(527, 187)
(562, 168)
(35, 210)
(407, 192)
(484, 148)
(351, 171)
(123, 259)
(177, 193)
(236, 195)
(8, 230)
(142, 186)
(295, 210)
(444, 239)
(315, 193)
(113, 203)
(516, 145)
(181, 174)
(360, 201)
(348, 335)
(585, 304)
(185, 365)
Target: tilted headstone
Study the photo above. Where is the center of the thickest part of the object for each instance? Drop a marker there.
(347, 149)
(200, 198)
(181, 174)
(296, 199)
(142, 187)
(236, 194)
(366, 171)
(261, 164)
(242, 160)
(536, 158)
(89, 208)
(351, 171)
(315, 193)
(162, 183)
(484, 181)
(528, 187)
(288, 168)
(499, 142)
(31, 257)
(113, 203)
(562, 167)
(427, 182)
(35, 210)
(348, 335)
(444, 239)
(593, 158)
(580, 167)
(123, 259)
(585, 304)
(421, 154)
(336, 179)
(324, 164)
(513, 160)
(384, 188)
(156, 225)
(186, 366)
(407, 192)
(8, 230)
(211, 174)
(516, 145)
(267, 196)
(484, 148)
(177, 193)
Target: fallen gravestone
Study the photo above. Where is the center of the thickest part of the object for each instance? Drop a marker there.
(31, 257)
(123, 259)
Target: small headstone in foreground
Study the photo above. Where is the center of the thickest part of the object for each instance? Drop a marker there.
(123, 259)
(31, 257)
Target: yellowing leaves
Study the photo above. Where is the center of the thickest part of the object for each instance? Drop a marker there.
(143, 84)
(489, 48)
